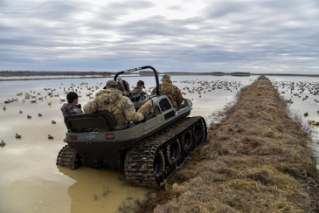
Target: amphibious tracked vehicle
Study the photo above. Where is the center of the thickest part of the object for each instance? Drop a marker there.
(148, 153)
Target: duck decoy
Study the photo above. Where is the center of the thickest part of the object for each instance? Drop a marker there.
(315, 123)
(39, 114)
(4, 108)
(20, 112)
(50, 104)
(50, 137)
(18, 136)
(53, 122)
(306, 114)
(29, 116)
(2, 143)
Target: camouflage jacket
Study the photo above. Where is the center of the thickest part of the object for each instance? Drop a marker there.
(70, 109)
(113, 101)
(173, 93)
(138, 90)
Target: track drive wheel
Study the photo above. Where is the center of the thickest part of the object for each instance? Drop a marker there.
(199, 132)
(187, 142)
(159, 166)
(174, 153)
(68, 158)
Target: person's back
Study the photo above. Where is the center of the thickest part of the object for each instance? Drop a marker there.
(171, 91)
(112, 100)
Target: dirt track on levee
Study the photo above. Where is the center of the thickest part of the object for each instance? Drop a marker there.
(256, 160)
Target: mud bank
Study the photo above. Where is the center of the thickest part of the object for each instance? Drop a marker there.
(256, 160)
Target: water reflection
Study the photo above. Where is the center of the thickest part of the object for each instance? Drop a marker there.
(30, 181)
(302, 94)
(99, 190)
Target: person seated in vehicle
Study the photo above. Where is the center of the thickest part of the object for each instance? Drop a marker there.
(173, 92)
(112, 100)
(72, 107)
(139, 88)
(123, 86)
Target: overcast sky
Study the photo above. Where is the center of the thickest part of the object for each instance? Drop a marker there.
(217, 35)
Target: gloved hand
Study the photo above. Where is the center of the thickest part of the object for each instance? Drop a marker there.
(145, 119)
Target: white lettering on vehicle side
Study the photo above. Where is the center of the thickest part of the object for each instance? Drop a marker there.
(147, 127)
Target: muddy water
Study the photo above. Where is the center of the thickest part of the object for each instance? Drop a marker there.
(29, 179)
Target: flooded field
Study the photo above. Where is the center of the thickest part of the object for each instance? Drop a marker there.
(302, 94)
(31, 182)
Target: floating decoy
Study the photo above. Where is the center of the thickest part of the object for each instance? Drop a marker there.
(315, 123)
(18, 136)
(39, 114)
(20, 112)
(2, 143)
(29, 116)
(4, 108)
(53, 122)
(50, 104)
(50, 137)
(306, 114)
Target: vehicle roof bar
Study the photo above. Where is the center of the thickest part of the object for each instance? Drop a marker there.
(158, 89)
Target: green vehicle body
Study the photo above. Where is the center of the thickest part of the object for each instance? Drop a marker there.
(111, 148)
(97, 150)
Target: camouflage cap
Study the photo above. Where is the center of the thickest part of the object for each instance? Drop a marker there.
(166, 76)
(111, 83)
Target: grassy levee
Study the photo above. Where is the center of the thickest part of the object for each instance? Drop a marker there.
(256, 160)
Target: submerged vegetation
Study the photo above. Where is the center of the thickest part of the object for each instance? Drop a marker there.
(256, 160)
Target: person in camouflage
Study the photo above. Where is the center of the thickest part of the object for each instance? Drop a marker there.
(173, 92)
(112, 100)
(139, 88)
(72, 107)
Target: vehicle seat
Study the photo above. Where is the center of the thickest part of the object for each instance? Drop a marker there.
(80, 122)
(135, 97)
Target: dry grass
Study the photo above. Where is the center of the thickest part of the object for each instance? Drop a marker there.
(255, 160)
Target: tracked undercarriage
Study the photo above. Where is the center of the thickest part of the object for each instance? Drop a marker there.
(154, 159)
(68, 158)
(149, 153)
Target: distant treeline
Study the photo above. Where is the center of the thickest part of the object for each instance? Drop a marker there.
(239, 74)
(283, 74)
(52, 73)
(210, 73)
(142, 73)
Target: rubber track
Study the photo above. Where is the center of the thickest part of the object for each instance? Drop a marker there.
(67, 157)
(138, 165)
